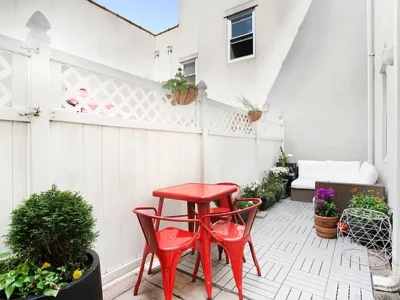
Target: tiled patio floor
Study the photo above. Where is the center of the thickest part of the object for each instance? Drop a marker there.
(295, 264)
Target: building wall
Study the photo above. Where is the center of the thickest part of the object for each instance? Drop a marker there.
(322, 86)
(384, 87)
(203, 30)
(83, 29)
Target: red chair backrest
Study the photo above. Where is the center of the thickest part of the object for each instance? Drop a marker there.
(252, 211)
(224, 201)
(147, 225)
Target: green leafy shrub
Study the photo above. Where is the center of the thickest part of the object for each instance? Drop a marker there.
(244, 204)
(252, 190)
(325, 208)
(55, 227)
(178, 83)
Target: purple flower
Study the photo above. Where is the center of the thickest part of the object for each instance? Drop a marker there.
(319, 201)
(326, 194)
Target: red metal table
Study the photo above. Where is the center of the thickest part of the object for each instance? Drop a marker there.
(201, 194)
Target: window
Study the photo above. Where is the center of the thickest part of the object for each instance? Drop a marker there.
(241, 35)
(189, 70)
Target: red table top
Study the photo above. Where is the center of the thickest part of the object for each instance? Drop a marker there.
(195, 192)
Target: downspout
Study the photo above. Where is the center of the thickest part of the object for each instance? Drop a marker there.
(157, 55)
(370, 78)
(392, 282)
(169, 49)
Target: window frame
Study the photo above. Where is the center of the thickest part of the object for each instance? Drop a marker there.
(189, 61)
(241, 13)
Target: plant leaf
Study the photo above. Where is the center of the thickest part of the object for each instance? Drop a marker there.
(50, 292)
(9, 291)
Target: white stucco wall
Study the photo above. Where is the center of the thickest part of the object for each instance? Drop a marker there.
(203, 30)
(81, 28)
(322, 86)
(384, 85)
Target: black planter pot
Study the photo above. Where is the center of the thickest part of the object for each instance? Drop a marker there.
(266, 203)
(368, 235)
(88, 287)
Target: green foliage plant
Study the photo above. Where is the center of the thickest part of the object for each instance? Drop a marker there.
(369, 201)
(178, 83)
(27, 279)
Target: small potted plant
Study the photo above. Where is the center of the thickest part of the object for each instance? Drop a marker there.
(366, 201)
(254, 112)
(278, 173)
(325, 216)
(243, 205)
(50, 240)
(253, 190)
(183, 92)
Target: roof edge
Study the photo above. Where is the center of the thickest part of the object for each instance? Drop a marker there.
(125, 19)
(169, 29)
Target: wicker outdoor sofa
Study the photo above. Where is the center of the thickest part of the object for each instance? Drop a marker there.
(343, 177)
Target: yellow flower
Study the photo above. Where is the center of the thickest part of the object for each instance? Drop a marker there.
(353, 190)
(370, 191)
(77, 274)
(46, 265)
(377, 199)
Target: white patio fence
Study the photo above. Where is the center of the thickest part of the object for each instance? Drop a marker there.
(114, 137)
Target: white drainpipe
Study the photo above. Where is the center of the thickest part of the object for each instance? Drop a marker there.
(392, 283)
(169, 49)
(157, 55)
(370, 69)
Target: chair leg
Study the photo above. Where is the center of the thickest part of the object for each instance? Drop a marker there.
(169, 263)
(253, 254)
(196, 268)
(139, 279)
(226, 258)
(220, 250)
(236, 258)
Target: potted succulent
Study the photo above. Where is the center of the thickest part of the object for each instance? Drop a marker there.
(253, 111)
(361, 202)
(50, 240)
(183, 92)
(325, 216)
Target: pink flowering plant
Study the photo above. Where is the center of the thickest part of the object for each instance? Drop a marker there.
(323, 201)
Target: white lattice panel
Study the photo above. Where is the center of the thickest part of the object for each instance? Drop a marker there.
(270, 129)
(223, 119)
(6, 73)
(92, 93)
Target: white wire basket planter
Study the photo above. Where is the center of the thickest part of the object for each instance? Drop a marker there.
(365, 236)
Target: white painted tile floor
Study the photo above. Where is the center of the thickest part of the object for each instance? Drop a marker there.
(296, 264)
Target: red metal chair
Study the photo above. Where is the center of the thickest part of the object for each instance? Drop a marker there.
(167, 244)
(226, 205)
(233, 237)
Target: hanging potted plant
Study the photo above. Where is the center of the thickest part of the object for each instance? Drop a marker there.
(325, 216)
(183, 92)
(254, 112)
(50, 240)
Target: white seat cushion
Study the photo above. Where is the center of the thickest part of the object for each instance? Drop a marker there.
(343, 171)
(303, 183)
(368, 174)
(312, 169)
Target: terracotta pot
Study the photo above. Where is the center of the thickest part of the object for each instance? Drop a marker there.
(325, 222)
(255, 115)
(326, 226)
(185, 98)
(326, 233)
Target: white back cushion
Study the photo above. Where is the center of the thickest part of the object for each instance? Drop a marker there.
(343, 171)
(368, 173)
(312, 169)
